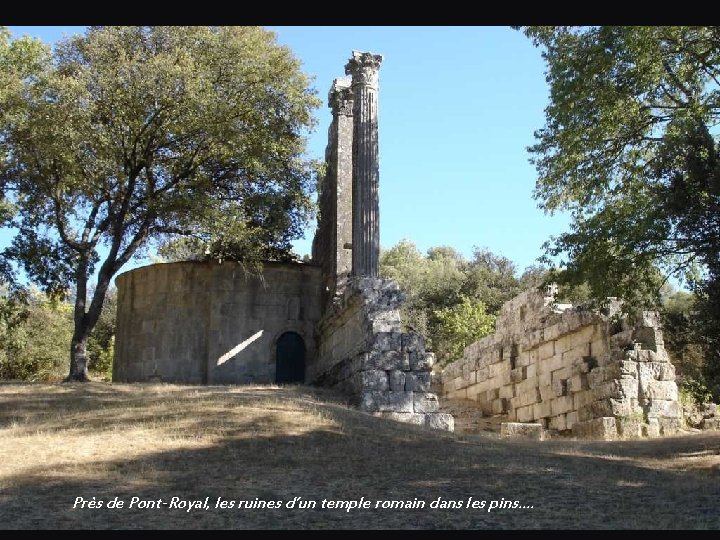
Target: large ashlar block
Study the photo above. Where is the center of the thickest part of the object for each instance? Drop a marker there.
(470, 378)
(372, 401)
(508, 391)
(374, 380)
(425, 402)
(663, 408)
(628, 368)
(666, 390)
(558, 422)
(529, 397)
(522, 430)
(528, 385)
(609, 389)
(386, 360)
(571, 418)
(546, 350)
(629, 427)
(597, 428)
(524, 359)
(661, 371)
(670, 426)
(531, 371)
(496, 370)
(442, 421)
(396, 379)
(544, 379)
(542, 409)
(517, 375)
(482, 374)
(561, 405)
(547, 393)
(629, 388)
(524, 414)
(599, 347)
(552, 363)
(418, 381)
(387, 341)
(577, 383)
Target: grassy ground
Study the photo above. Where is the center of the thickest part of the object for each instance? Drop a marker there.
(105, 441)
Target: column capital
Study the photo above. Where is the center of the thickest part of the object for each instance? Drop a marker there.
(364, 67)
(340, 97)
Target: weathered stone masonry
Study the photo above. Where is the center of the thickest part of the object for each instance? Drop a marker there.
(570, 369)
(365, 353)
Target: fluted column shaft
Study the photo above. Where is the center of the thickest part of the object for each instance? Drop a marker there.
(364, 68)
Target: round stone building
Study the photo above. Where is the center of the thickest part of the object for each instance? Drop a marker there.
(210, 322)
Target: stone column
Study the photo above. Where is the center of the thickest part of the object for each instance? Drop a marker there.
(341, 102)
(364, 69)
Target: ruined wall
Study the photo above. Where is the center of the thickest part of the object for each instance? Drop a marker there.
(364, 353)
(570, 369)
(205, 322)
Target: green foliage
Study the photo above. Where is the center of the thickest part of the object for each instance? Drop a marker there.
(101, 343)
(443, 285)
(693, 391)
(459, 326)
(627, 150)
(133, 135)
(35, 332)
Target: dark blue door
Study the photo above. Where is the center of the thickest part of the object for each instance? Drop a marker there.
(290, 359)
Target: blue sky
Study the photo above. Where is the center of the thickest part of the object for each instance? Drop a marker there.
(457, 109)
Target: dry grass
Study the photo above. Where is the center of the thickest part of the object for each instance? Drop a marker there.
(62, 441)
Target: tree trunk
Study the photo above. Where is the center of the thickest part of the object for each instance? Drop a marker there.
(81, 330)
(78, 358)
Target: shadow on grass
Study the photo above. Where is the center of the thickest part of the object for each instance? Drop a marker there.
(568, 484)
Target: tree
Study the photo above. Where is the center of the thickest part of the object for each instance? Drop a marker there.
(133, 135)
(451, 300)
(34, 330)
(20, 60)
(628, 149)
(459, 326)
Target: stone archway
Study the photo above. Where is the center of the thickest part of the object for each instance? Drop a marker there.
(290, 358)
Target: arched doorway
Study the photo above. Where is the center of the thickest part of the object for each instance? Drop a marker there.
(290, 358)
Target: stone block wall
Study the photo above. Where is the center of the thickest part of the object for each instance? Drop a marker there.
(206, 322)
(364, 353)
(570, 369)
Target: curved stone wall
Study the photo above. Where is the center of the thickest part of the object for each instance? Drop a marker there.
(208, 322)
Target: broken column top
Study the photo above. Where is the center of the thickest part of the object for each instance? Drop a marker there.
(364, 66)
(340, 96)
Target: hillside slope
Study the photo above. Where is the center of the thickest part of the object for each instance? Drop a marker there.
(261, 444)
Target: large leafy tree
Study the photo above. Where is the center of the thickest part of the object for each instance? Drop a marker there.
(630, 149)
(133, 134)
(20, 60)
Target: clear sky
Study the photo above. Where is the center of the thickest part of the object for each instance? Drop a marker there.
(457, 109)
